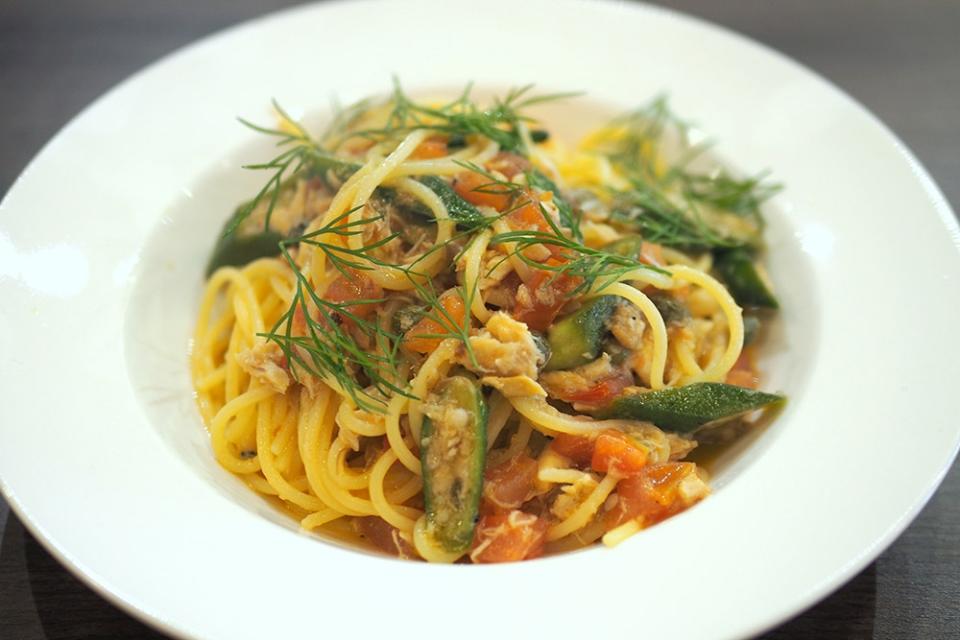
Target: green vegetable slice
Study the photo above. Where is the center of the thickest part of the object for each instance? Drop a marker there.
(236, 250)
(465, 214)
(453, 446)
(739, 272)
(685, 409)
(577, 339)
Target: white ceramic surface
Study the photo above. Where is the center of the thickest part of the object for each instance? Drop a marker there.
(102, 245)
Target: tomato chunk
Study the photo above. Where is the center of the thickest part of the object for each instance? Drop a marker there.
(601, 393)
(540, 300)
(651, 494)
(509, 484)
(744, 373)
(354, 285)
(651, 253)
(418, 337)
(578, 449)
(384, 536)
(616, 452)
(478, 189)
(432, 147)
(509, 537)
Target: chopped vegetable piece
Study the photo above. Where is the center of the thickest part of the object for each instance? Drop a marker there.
(354, 286)
(577, 448)
(509, 484)
(539, 135)
(747, 287)
(479, 190)
(509, 537)
(540, 299)
(652, 494)
(673, 311)
(616, 452)
(427, 334)
(453, 448)
(685, 409)
(743, 373)
(465, 214)
(568, 218)
(384, 536)
(432, 147)
(576, 339)
(236, 250)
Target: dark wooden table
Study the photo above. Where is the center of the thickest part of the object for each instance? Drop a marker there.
(901, 59)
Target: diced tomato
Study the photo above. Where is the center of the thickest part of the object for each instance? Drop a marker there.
(384, 536)
(744, 373)
(478, 189)
(509, 164)
(601, 393)
(354, 286)
(540, 299)
(616, 452)
(651, 494)
(526, 215)
(651, 253)
(509, 484)
(418, 337)
(578, 449)
(509, 537)
(432, 147)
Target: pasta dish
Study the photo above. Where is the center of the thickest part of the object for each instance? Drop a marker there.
(442, 332)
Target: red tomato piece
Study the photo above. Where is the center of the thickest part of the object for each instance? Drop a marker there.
(616, 452)
(509, 484)
(578, 449)
(354, 286)
(417, 338)
(509, 537)
(651, 494)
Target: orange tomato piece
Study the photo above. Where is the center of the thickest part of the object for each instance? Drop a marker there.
(616, 452)
(509, 537)
(578, 449)
(651, 253)
(432, 147)
(509, 484)
(651, 494)
(354, 286)
(540, 300)
(418, 337)
(478, 189)
(744, 373)
(601, 393)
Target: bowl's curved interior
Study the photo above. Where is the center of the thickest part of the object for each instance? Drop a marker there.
(103, 455)
(162, 310)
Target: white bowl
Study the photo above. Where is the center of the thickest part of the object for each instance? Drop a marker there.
(102, 245)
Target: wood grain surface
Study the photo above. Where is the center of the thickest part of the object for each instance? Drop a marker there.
(900, 59)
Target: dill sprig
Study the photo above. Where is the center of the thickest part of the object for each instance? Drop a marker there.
(301, 154)
(462, 117)
(328, 351)
(670, 204)
(594, 269)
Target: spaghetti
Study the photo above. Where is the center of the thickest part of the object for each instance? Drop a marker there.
(439, 329)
